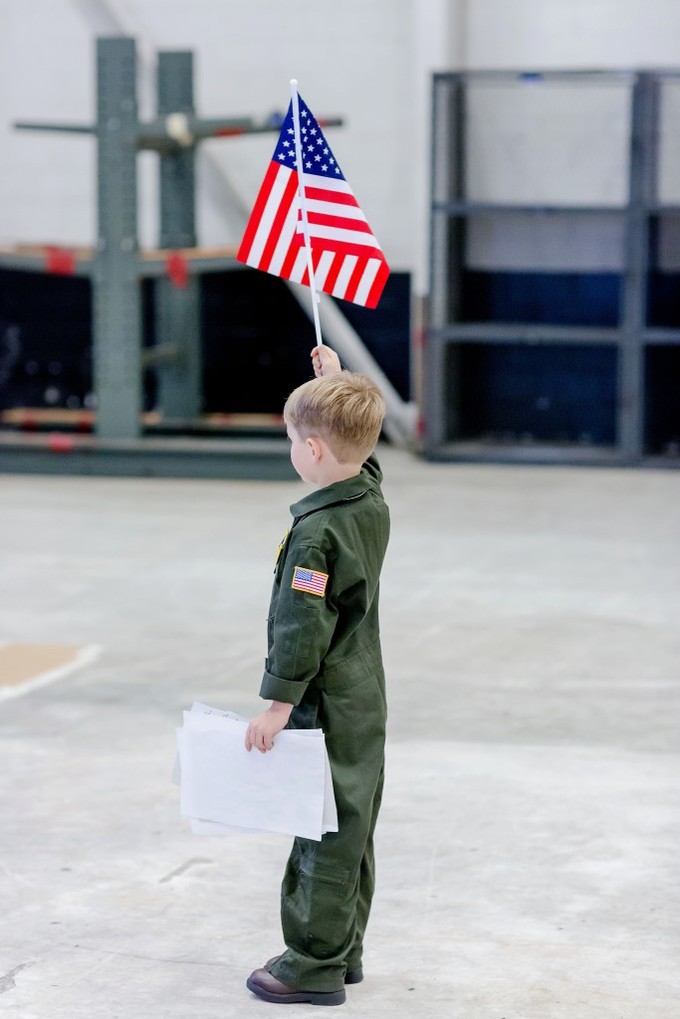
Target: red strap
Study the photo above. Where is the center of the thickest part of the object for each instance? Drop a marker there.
(230, 132)
(60, 443)
(177, 268)
(60, 261)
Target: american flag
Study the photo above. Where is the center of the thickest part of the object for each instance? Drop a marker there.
(309, 580)
(347, 259)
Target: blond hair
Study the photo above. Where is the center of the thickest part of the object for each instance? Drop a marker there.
(345, 410)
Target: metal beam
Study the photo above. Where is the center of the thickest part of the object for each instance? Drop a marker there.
(117, 337)
(178, 309)
(642, 195)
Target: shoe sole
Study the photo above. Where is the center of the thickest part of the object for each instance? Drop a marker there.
(302, 997)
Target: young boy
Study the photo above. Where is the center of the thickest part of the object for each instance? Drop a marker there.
(324, 669)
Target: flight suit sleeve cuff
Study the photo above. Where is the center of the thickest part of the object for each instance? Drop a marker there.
(289, 691)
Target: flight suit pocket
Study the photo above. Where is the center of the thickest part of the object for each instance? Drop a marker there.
(330, 919)
(325, 873)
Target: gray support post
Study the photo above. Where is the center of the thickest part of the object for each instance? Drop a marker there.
(447, 247)
(450, 377)
(177, 173)
(178, 311)
(642, 195)
(116, 285)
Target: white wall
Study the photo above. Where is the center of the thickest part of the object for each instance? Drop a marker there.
(572, 33)
(368, 60)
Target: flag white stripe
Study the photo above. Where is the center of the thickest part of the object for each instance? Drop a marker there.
(370, 273)
(334, 233)
(323, 268)
(335, 209)
(268, 216)
(344, 275)
(299, 266)
(288, 231)
(310, 180)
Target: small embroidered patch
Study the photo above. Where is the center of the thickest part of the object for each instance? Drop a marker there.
(309, 580)
(281, 546)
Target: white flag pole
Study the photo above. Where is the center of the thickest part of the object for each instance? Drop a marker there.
(303, 209)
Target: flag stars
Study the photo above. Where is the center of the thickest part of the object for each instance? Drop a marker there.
(317, 156)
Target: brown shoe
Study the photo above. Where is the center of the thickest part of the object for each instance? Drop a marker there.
(267, 987)
(352, 976)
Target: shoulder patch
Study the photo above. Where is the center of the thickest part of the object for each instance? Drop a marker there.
(310, 581)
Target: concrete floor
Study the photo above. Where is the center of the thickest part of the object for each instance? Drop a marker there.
(528, 848)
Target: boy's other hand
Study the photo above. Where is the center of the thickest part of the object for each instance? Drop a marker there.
(263, 728)
(326, 361)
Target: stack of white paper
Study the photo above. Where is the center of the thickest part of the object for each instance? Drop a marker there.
(225, 788)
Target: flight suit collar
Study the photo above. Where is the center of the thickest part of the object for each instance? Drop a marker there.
(339, 491)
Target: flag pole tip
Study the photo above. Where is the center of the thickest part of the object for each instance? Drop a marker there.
(293, 81)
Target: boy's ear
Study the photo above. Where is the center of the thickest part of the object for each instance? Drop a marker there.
(315, 447)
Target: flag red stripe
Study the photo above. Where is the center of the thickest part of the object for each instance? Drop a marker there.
(333, 273)
(346, 248)
(305, 275)
(325, 195)
(341, 222)
(291, 255)
(317, 255)
(316, 258)
(287, 199)
(256, 214)
(378, 285)
(355, 279)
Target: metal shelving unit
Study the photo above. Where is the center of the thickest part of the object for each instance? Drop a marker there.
(459, 344)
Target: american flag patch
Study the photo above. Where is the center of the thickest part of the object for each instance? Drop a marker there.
(309, 580)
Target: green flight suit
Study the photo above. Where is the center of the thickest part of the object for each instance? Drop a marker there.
(324, 657)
